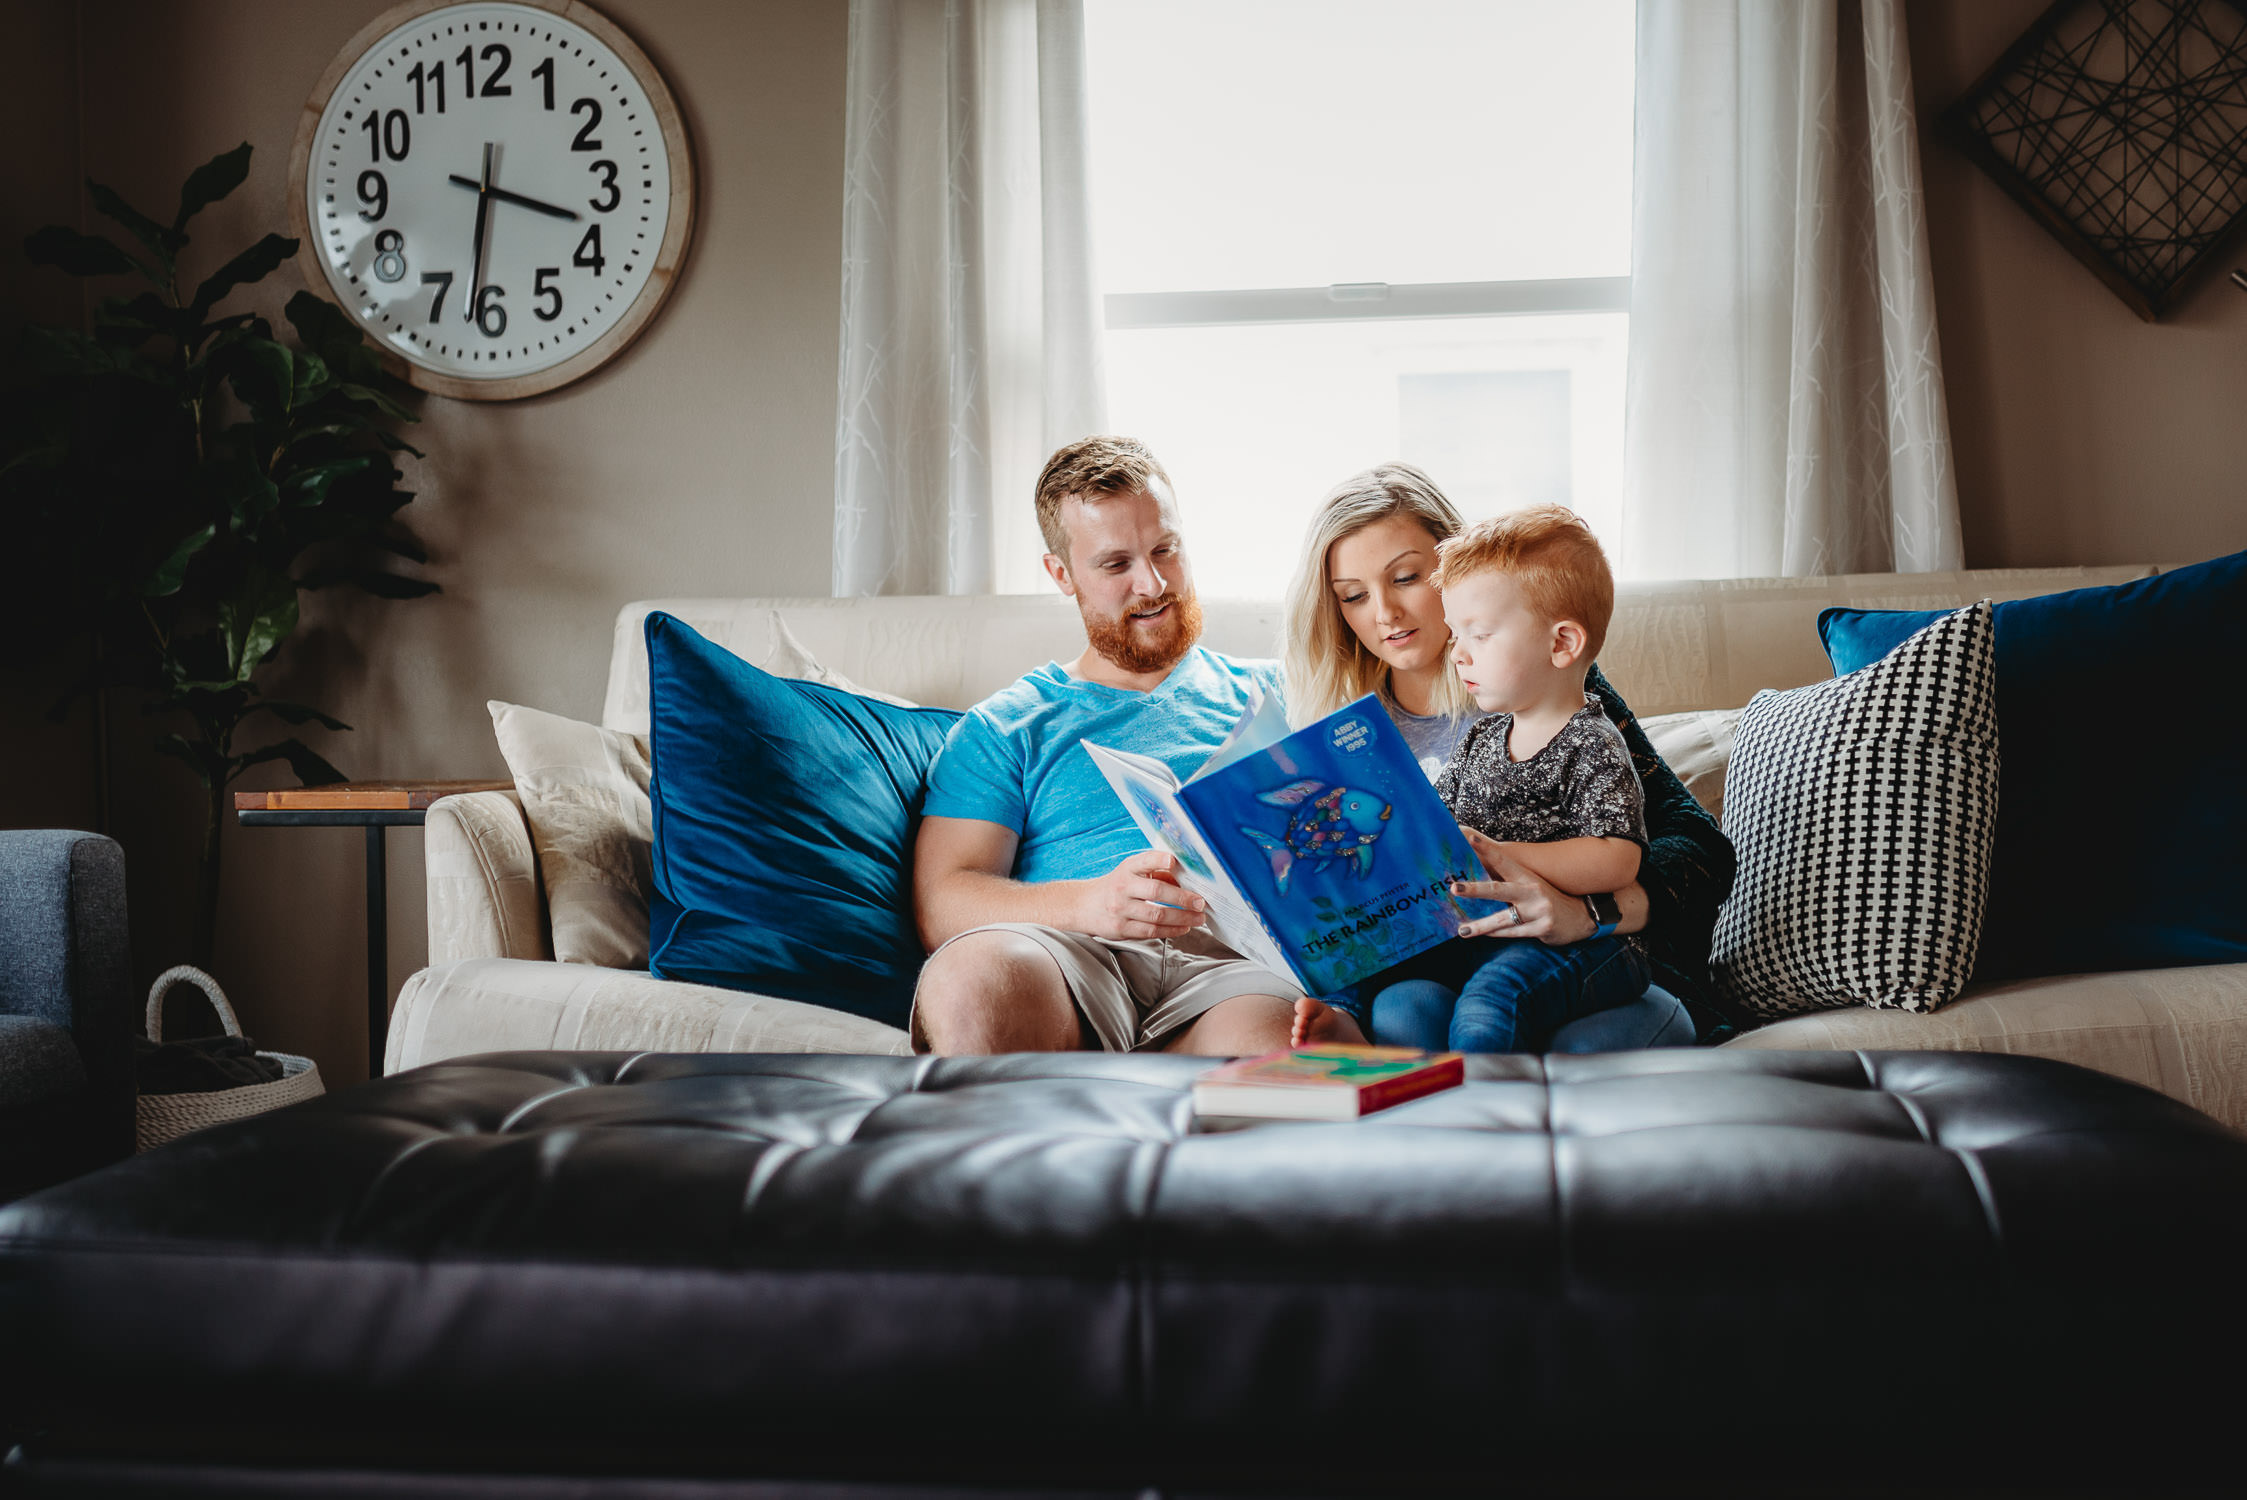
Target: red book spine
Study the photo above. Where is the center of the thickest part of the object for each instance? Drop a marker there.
(1379, 1096)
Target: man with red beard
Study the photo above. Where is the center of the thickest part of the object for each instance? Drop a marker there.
(1051, 924)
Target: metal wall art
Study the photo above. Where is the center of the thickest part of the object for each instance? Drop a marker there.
(2122, 126)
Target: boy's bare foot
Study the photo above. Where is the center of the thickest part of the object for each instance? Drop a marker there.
(1316, 1021)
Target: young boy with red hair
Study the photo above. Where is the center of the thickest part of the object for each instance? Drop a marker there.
(1527, 597)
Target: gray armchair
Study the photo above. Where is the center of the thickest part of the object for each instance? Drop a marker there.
(66, 1008)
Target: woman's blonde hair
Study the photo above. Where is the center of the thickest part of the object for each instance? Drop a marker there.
(1327, 665)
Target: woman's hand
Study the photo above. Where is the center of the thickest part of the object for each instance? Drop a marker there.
(1534, 908)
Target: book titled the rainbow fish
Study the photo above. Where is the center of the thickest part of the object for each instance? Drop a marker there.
(1325, 1083)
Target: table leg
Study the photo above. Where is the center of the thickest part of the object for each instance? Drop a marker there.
(378, 952)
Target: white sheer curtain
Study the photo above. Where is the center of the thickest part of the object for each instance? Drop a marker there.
(1785, 407)
(971, 314)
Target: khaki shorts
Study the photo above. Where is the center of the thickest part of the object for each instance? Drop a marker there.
(1135, 993)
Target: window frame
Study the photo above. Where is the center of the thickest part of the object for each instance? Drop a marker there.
(1366, 299)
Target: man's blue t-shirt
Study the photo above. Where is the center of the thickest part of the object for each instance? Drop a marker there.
(1014, 759)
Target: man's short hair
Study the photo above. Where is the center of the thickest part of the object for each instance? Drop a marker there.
(1550, 553)
(1090, 466)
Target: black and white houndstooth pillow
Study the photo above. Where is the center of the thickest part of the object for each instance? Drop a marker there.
(1863, 810)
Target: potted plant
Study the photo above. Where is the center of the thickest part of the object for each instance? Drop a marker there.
(184, 473)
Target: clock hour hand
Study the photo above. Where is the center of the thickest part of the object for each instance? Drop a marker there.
(518, 199)
(476, 253)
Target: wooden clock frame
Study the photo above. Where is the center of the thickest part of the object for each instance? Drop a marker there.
(678, 229)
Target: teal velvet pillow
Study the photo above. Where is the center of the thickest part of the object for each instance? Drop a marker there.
(784, 818)
(2122, 800)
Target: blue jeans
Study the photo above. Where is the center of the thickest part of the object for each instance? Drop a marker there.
(1475, 996)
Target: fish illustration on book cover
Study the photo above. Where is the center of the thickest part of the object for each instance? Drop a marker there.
(1329, 824)
(1323, 852)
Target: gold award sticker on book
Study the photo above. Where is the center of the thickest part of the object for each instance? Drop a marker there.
(500, 194)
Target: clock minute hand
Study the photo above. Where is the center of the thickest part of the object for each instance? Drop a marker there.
(476, 252)
(504, 196)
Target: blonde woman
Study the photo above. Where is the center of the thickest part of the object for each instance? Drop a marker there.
(1362, 618)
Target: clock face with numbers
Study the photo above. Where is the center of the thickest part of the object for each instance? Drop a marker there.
(500, 193)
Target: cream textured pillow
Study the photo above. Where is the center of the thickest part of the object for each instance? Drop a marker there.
(1698, 747)
(788, 658)
(585, 796)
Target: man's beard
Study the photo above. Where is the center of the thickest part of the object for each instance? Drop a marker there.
(1137, 648)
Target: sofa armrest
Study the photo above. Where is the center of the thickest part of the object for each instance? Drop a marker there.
(65, 958)
(485, 896)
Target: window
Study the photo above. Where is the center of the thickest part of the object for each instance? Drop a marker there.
(1333, 232)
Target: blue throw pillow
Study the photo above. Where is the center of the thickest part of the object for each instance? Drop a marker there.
(784, 818)
(2122, 808)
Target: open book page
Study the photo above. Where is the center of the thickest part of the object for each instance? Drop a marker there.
(1149, 792)
(1265, 723)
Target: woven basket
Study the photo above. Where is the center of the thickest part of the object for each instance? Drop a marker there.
(162, 1117)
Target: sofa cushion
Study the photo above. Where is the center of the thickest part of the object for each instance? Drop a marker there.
(511, 1004)
(585, 797)
(2125, 796)
(784, 818)
(37, 1061)
(2182, 1031)
(789, 658)
(1862, 809)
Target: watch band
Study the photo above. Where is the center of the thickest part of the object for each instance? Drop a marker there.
(1606, 913)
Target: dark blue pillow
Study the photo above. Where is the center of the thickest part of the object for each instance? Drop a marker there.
(784, 818)
(2122, 802)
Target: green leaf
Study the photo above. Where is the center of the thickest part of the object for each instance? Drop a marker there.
(252, 265)
(310, 485)
(324, 327)
(310, 768)
(217, 329)
(172, 571)
(212, 181)
(263, 374)
(297, 713)
(382, 403)
(81, 254)
(135, 319)
(165, 243)
(226, 335)
(238, 485)
(312, 379)
(256, 620)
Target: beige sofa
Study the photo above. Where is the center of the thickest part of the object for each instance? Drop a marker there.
(1675, 649)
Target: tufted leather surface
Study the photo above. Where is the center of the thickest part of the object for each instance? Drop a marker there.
(1037, 1259)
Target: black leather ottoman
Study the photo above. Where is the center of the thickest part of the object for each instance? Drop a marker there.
(1804, 1271)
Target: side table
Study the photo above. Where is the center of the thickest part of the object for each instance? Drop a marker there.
(374, 806)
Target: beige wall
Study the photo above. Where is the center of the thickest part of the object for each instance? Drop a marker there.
(698, 462)
(2082, 434)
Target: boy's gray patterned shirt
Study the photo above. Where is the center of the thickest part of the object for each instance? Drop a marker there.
(1581, 785)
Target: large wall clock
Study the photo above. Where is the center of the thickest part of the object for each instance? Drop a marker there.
(500, 193)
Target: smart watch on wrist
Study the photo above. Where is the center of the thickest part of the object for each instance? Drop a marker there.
(1606, 911)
